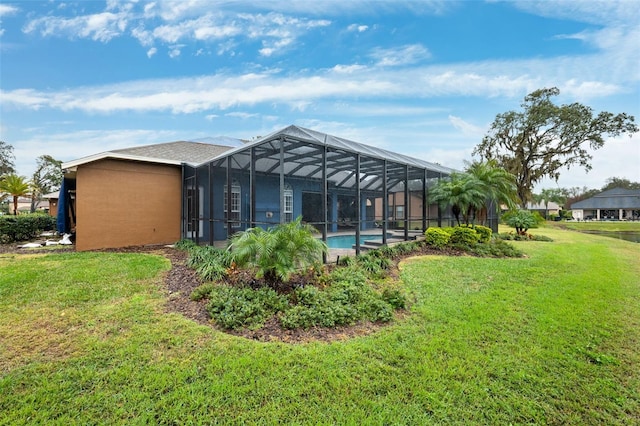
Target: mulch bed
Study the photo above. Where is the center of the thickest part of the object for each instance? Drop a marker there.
(180, 281)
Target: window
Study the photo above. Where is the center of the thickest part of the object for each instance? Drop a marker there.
(235, 204)
(288, 203)
(399, 212)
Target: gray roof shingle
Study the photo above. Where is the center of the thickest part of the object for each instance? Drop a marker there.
(616, 198)
(189, 152)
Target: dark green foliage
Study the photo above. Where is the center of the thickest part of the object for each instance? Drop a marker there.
(495, 248)
(278, 252)
(544, 138)
(512, 236)
(373, 263)
(234, 308)
(388, 251)
(394, 297)
(344, 302)
(484, 233)
(185, 244)
(437, 237)
(522, 220)
(24, 227)
(464, 236)
(202, 292)
(210, 262)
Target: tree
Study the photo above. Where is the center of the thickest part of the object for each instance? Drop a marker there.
(522, 220)
(544, 138)
(16, 186)
(616, 182)
(497, 184)
(7, 158)
(461, 191)
(279, 251)
(555, 195)
(46, 178)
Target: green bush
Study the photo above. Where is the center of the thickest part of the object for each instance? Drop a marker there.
(437, 237)
(279, 252)
(234, 308)
(484, 233)
(210, 263)
(496, 248)
(463, 236)
(521, 220)
(185, 244)
(202, 292)
(24, 227)
(343, 303)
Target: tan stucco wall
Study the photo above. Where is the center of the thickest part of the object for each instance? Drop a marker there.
(124, 203)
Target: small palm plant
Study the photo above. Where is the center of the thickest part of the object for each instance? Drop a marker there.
(278, 252)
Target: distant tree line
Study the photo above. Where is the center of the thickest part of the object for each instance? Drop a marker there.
(45, 179)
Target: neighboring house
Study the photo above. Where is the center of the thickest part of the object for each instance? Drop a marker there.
(550, 209)
(613, 204)
(158, 194)
(24, 205)
(52, 199)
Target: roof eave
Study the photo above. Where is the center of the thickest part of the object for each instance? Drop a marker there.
(73, 165)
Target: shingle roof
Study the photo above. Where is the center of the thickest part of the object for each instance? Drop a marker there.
(616, 198)
(189, 152)
(174, 153)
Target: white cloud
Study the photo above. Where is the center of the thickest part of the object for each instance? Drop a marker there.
(466, 128)
(358, 28)
(402, 55)
(175, 51)
(66, 146)
(151, 52)
(186, 95)
(99, 27)
(242, 115)
(6, 9)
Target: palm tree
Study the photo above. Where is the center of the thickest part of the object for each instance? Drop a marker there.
(278, 252)
(498, 185)
(16, 186)
(462, 192)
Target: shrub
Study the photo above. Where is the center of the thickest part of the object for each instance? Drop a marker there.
(521, 220)
(484, 233)
(210, 263)
(463, 236)
(278, 252)
(388, 251)
(496, 248)
(24, 227)
(234, 308)
(202, 292)
(394, 297)
(373, 264)
(185, 244)
(437, 237)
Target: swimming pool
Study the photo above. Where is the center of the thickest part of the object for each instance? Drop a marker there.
(347, 241)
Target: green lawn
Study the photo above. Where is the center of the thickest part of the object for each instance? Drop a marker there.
(600, 226)
(553, 338)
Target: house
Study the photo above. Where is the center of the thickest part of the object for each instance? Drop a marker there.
(545, 208)
(613, 204)
(24, 205)
(161, 193)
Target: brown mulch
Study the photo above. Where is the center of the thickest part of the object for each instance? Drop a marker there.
(180, 281)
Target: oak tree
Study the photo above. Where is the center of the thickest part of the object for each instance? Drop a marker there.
(545, 138)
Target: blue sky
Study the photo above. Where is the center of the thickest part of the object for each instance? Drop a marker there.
(423, 78)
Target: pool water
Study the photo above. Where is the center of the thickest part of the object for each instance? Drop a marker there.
(347, 241)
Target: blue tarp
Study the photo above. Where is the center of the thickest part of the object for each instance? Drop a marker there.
(63, 222)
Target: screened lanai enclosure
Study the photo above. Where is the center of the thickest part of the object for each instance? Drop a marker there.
(343, 188)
